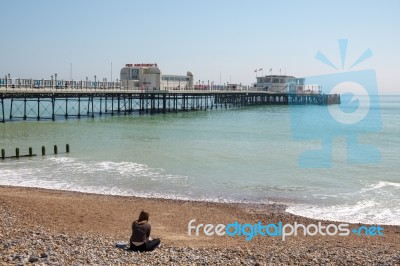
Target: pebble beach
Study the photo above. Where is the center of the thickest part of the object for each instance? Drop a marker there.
(49, 227)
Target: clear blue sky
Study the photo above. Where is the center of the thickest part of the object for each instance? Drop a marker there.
(42, 37)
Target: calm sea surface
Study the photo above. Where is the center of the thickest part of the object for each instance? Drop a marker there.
(240, 155)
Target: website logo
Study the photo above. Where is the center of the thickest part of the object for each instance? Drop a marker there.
(357, 114)
(249, 231)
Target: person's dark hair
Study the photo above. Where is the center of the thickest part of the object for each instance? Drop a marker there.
(143, 216)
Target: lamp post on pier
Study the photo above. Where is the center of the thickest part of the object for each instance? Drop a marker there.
(95, 83)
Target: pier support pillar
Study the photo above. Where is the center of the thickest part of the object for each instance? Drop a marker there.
(92, 99)
(164, 103)
(38, 109)
(124, 105)
(88, 107)
(24, 116)
(66, 108)
(79, 107)
(105, 104)
(2, 110)
(100, 105)
(153, 104)
(112, 106)
(175, 103)
(11, 107)
(53, 103)
(119, 104)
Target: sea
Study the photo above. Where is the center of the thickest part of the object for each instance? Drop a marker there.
(242, 154)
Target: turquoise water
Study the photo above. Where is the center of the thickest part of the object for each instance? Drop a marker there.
(236, 155)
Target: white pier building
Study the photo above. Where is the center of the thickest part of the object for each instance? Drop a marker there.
(150, 77)
(281, 84)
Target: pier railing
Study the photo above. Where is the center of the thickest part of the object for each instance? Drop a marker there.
(44, 84)
(53, 85)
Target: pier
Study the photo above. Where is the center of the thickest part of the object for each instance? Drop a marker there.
(27, 99)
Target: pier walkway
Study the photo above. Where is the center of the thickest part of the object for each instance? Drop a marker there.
(38, 101)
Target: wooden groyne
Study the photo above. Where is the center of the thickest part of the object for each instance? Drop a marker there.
(57, 104)
(18, 155)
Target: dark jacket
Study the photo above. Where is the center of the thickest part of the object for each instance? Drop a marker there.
(140, 231)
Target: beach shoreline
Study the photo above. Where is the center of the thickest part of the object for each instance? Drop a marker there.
(29, 214)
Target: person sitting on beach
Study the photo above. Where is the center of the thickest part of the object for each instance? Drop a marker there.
(140, 239)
